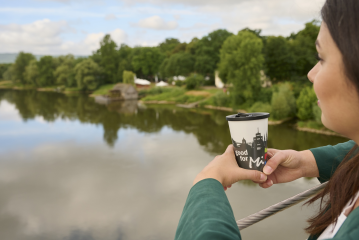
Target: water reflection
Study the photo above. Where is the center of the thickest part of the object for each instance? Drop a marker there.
(209, 127)
(58, 180)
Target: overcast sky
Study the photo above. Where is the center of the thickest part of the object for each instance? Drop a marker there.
(76, 26)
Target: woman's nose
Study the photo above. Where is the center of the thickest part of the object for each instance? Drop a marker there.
(313, 72)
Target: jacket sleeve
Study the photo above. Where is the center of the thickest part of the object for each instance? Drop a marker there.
(329, 157)
(207, 214)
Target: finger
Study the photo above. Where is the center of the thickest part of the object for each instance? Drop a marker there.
(274, 161)
(229, 149)
(253, 175)
(271, 152)
(225, 188)
(266, 184)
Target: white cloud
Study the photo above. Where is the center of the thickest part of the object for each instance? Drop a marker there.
(110, 17)
(38, 35)
(156, 22)
(44, 37)
(92, 42)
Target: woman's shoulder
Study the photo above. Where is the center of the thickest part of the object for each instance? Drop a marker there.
(350, 227)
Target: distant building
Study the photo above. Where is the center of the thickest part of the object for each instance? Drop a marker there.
(217, 81)
(142, 83)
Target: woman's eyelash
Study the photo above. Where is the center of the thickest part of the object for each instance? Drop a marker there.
(317, 57)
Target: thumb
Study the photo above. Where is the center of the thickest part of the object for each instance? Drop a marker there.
(253, 175)
(229, 149)
(275, 160)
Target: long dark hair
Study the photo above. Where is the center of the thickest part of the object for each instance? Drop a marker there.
(341, 18)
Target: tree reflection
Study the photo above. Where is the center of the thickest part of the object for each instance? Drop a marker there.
(210, 127)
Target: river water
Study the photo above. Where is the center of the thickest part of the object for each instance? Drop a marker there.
(73, 169)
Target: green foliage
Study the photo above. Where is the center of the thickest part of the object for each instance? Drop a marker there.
(312, 124)
(22, 60)
(3, 68)
(46, 69)
(146, 61)
(32, 73)
(302, 46)
(278, 59)
(305, 103)
(177, 64)
(265, 95)
(163, 94)
(283, 102)
(9, 74)
(317, 112)
(125, 60)
(168, 46)
(64, 73)
(261, 107)
(194, 81)
(107, 57)
(240, 65)
(128, 77)
(220, 99)
(207, 51)
(104, 89)
(179, 83)
(87, 75)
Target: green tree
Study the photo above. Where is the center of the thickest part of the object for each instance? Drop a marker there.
(146, 61)
(278, 59)
(177, 64)
(64, 73)
(32, 73)
(22, 60)
(283, 102)
(9, 74)
(107, 57)
(46, 67)
(208, 52)
(3, 68)
(87, 75)
(125, 60)
(303, 48)
(241, 60)
(305, 103)
(168, 46)
(128, 77)
(194, 81)
(191, 46)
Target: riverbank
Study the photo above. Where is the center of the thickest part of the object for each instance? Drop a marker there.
(180, 97)
(11, 85)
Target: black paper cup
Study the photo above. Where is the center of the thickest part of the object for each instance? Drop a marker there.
(249, 133)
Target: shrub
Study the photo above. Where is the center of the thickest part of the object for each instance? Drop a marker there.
(128, 77)
(194, 81)
(317, 113)
(265, 95)
(179, 83)
(283, 102)
(305, 104)
(261, 107)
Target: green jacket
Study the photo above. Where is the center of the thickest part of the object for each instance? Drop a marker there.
(207, 214)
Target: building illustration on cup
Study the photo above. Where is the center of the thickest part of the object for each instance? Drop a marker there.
(252, 155)
(249, 134)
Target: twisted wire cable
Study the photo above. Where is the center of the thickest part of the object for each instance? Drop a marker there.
(278, 207)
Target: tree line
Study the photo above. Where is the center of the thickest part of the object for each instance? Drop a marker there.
(242, 60)
(281, 58)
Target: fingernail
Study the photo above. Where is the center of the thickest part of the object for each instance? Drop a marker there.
(270, 183)
(267, 169)
(263, 177)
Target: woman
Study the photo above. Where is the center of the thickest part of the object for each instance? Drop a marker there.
(207, 213)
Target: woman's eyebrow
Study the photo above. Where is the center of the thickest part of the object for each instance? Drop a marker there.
(317, 43)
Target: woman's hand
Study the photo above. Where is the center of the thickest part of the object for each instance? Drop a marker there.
(288, 165)
(224, 168)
